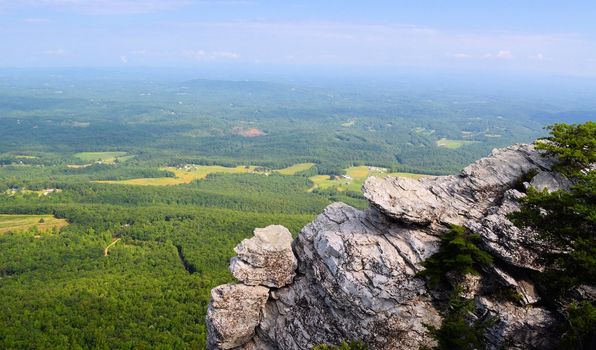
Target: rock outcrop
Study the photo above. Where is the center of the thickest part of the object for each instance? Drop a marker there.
(351, 274)
(266, 259)
(234, 313)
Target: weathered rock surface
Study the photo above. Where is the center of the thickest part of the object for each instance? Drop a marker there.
(550, 181)
(355, 276)
(234, 313)
(478, 198)
(455, 199)
(265, 259)
(356, 281)
(518, 247)
(518, 328)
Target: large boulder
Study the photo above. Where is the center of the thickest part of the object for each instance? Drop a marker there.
(234, 313)
(265, 259)
(356, 281)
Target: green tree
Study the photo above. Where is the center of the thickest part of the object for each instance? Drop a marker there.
(567, 221)
(574, 145)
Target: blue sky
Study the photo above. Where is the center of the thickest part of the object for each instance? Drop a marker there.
(530, 36)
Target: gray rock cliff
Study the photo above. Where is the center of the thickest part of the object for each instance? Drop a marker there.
(266, 259)
(351, 274)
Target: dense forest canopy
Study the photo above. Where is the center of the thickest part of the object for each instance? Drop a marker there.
(410, 125)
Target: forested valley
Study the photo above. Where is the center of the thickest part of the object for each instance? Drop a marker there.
(156, 182)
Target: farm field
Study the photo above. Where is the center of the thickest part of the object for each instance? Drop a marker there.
(296, 168)
(454, 144)
(10, 223)
(104, 157)
(185, 175)
(355, 177)
(198, 172)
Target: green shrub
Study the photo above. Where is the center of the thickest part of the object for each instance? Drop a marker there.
(457, 331)
(507, 294)
(459, 252)
(574, 145)
(580, 328)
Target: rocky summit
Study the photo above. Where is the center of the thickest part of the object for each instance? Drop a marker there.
(352, 275)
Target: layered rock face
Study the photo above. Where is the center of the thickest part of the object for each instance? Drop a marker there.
(266, 259)
(351, 274)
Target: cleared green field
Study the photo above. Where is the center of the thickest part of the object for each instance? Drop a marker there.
(296, 168)
(125, 158)
(325, 182)
(185, 176)
(355, 177)
(352, 182)
(199, 172)
(104, 157)
(12, 223)
(423, 131)
(453, 144)
(358, 171)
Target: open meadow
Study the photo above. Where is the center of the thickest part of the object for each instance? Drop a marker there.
(190, 173)
(296, 168)
(17, 223)
(104, 157)
(355, 177)
(454, 144)
(185, 175)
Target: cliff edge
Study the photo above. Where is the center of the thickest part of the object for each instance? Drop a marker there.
(351, 274)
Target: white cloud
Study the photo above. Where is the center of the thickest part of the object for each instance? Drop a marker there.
(165, 42)
(459, 55)
(505, 55)
(225, 55)
(369, 40)
(202, 55)
(124, 59)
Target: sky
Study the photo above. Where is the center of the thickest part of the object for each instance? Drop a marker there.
(527, 36)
